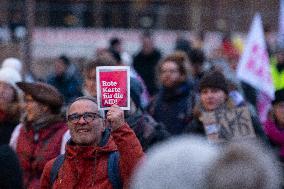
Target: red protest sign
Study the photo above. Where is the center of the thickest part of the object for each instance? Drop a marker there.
(113, 86)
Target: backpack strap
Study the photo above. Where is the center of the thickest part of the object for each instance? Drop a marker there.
(55, 168)
(113, 170)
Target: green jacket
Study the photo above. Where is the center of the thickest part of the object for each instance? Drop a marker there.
(277, 77)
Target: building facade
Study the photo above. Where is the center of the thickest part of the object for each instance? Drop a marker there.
(198, 15)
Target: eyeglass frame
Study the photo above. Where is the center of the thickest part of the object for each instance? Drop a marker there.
(95, 116)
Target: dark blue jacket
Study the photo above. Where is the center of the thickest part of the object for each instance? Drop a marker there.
(173, 107)
(68, 85)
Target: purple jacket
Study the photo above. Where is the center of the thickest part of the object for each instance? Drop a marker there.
(275, 135)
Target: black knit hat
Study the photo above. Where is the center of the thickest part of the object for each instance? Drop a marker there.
(214, 79)
(279, 96)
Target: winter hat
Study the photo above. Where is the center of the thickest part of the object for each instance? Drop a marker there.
(13, 63)
(10, 76)
(43, 92)
(214, 79)
(279, 96)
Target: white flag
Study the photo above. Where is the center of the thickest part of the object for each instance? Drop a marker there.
(253, 67)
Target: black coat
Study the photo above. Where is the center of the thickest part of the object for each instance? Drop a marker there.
(173, 107)
(6, 130)
(145, 66)
(11, 173)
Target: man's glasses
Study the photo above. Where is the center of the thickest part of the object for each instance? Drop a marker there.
(87, 116)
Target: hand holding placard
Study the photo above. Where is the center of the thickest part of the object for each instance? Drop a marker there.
(113, 86)
(115, 116)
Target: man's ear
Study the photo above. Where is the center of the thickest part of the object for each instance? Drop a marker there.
(68, 125)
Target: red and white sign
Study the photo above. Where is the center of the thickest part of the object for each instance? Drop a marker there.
(113, 86)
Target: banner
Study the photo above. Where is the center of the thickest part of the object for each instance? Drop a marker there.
(113, 86)
(227, 124)
(254, 67)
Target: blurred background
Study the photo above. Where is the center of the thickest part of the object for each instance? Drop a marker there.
(37, 31)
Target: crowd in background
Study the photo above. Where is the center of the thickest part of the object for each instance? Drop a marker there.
(169, 94)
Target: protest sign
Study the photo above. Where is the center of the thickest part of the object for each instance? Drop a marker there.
(113, 86)
(227, 124)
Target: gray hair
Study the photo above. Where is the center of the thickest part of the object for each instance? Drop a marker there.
(190, 162)
(90, 98)
(245, 165)
(177, 163)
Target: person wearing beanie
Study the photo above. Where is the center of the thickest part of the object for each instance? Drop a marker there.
(274, 126)
(214, 98)
(9, 103)
(214, 80)
(38, 138)
(14, 63)
(17, 65)
(173, 104)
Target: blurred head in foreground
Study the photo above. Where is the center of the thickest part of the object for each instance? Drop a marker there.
(177, 163)
(188, 162)
(246, 166)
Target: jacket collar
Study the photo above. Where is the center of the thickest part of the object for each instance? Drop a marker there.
(106, 145)
(42, 122)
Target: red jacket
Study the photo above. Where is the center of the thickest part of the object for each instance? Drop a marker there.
(36, 148)
(86, 166)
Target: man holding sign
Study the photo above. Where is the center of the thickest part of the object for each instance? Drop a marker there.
(98, 155)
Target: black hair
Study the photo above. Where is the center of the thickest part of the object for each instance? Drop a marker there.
(114, 41)
(65, 60)
(197, 56)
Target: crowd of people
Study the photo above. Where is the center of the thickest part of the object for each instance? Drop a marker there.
(191, 123)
